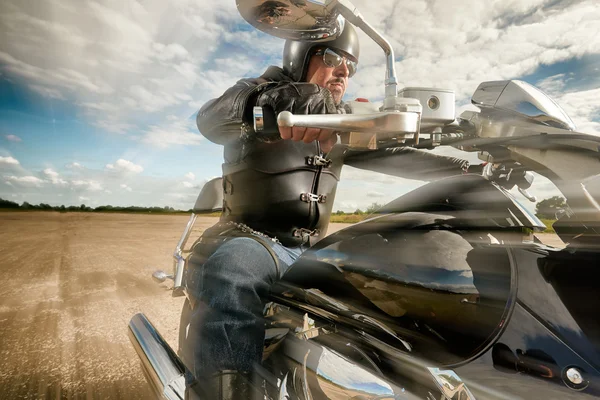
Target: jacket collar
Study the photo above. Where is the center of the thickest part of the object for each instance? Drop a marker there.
(275, 74)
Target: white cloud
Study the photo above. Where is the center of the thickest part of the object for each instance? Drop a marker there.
(467, 273)
(190, 176)
(552, 84)
(357, 174)
(498, 40)
(582, 107)
(125, 166)
(133, 60)
(179, 132)
(101, 186)
(91, 185)
(170, 52)
(187, 184)
(126, 65)
(54, 177)
(47, 92)
(124, 60)
(75, 165)
(83, 198)
(8, 161)
(27, 181)
(13, 138)
(114, 126)
(68, 78)
(346, 206)
(150, 100)
(50, 173)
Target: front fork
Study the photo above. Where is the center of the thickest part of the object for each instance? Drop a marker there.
(178, 263)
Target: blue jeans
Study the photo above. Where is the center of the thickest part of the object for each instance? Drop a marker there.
(226, 330)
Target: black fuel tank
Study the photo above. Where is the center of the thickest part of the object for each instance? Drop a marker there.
(433, 274)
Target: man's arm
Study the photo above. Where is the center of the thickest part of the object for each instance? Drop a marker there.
(408, 163)
(220, 120)
(229, 118)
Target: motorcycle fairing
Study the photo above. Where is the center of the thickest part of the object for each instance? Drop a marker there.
(375, 281)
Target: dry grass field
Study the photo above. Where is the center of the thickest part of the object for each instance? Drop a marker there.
(71, 282)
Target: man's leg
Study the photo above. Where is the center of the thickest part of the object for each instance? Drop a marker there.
(226, 329)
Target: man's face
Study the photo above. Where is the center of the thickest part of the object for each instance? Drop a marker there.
(333, 78)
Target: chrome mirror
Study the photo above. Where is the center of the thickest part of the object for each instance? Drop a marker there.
(293, 19)
(160, 276)
(319, 20)
(524, 99)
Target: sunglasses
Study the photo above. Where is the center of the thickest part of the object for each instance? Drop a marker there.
(334, 60)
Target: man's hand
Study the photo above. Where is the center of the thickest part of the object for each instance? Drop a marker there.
(326, 137)
(301, 98)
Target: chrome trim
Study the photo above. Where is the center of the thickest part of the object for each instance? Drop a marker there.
(527, 195)
(574, 376)
(164, 370)
(589, 196)
(283, 393)
(306, 389)
(160, 276)
(274, 337)
(259, 122)
(328, 371)
(179, 264)
(524, 99)
(382, 122)
(367, 358)
(350, 12)
(336, 374)
(374, 322)
(450, 384)
(315, 20)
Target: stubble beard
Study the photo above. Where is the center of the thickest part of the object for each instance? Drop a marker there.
(337, 92)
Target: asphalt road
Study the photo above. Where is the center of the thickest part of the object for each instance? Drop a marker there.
(71, 282)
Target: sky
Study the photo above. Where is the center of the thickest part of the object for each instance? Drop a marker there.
(98, 98)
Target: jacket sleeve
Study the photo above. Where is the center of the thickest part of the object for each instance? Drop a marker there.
(229, 118)
(225, 119)
(407, 163)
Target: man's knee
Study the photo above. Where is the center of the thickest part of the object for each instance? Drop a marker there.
(243, 257)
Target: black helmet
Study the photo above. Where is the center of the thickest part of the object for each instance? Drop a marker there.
(296, 54)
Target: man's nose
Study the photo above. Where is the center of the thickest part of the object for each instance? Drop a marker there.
(342, 70)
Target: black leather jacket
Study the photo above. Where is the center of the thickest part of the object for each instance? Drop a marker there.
(283, 188)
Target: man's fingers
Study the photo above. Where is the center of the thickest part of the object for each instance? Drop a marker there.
(298, 133)
(325, 134)
(285, 132)
(311, 134)
(307, 135)
(327, 145)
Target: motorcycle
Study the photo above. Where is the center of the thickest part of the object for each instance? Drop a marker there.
(444, 293)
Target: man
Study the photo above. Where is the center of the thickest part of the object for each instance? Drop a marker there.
(279, 187)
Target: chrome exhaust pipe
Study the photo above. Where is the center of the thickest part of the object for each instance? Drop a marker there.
(163, 369)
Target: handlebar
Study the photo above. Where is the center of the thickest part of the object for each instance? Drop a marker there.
(382, 122)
